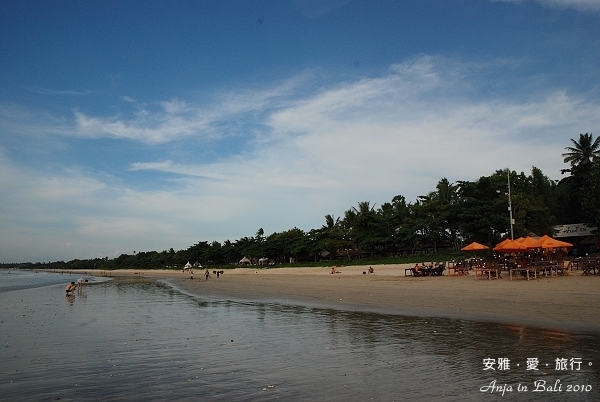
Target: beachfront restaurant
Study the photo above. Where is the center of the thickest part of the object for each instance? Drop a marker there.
(582, 236)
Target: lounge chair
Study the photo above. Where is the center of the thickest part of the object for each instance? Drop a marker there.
(438, 270)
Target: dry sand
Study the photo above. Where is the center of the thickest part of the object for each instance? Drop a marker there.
(568, 303)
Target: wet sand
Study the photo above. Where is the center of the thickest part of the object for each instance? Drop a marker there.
(568, 303)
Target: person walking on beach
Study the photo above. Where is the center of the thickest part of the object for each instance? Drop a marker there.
(207, 274)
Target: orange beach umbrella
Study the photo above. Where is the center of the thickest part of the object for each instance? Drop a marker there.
(474, 247)
(549, 242)
(510, 246)
(529, 242)
(502, 243)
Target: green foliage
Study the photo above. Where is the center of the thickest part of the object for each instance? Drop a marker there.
(590, 198)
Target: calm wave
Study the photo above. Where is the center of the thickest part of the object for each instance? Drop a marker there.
(137, 339)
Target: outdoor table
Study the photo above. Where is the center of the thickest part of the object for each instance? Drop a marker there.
(491, 273)
(479, 271)
(548, 270)
(545, 268)
(461, 270)
(408, 270)
(527, 272)
(574, 264)
(561, 271)
(589, 266)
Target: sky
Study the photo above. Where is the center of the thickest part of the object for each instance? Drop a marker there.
(144, 125)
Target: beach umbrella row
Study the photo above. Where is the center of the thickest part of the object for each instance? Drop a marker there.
(529, 243)
(520, 245)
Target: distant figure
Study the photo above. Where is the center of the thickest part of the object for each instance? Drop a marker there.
(207, 274)
(70, 288)
(191, 274)
(371, 270)
(218, 273)
(333, 271)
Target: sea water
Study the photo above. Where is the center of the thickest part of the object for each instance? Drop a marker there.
(15, 279)
(140, 339)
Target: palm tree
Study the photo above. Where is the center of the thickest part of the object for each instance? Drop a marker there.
(330, 222)
(584, 151)
(446, 192)
(582, 156)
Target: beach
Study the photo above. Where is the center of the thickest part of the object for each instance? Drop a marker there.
(284, 334)
(566, 303)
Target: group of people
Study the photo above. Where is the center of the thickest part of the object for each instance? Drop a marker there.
(207, 274)
(70, 288)
(419, 268)
(370, 270)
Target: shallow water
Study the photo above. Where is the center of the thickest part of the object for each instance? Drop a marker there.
(15, 279)
(137, 339)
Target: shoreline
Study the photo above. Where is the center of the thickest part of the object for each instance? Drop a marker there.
(568, 303)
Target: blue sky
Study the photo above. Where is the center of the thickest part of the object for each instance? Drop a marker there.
(146, 125)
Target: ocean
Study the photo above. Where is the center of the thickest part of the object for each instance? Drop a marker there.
(137, 339)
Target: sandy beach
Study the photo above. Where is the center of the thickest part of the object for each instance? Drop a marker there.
(567, 303)
(134, 339)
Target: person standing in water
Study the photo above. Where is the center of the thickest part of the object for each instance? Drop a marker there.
(80, 283)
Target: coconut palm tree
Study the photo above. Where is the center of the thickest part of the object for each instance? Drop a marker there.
(446, 192)
(584, 151)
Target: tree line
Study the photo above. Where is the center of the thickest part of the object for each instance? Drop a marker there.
(440, 221)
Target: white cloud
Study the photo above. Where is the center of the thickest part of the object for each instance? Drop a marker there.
(176, 119)
(584, 5)
(43, 214)
(169, 124)
(64, 92)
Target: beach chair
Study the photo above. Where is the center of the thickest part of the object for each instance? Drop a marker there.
(438, 270)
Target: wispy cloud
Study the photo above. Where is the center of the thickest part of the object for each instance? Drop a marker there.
(61, 92)
(584, 5)
(175, 119)
(578, 4)
(397, 130)
(157, 127)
